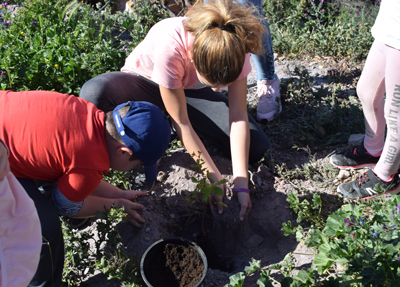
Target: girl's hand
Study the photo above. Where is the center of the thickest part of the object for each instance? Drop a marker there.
(4, 164)
(217, 199)
(245, 204)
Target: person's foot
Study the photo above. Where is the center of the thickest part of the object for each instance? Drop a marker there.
(355, 158)
(369, 185)
(269, 99)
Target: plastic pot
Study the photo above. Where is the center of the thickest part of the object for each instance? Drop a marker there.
(158, 271)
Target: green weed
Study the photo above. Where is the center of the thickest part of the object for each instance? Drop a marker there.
(87, 251)
(361, 238)
(314, 117)
(300, 28)
(120, 179)
(321, 175)
(59, 45)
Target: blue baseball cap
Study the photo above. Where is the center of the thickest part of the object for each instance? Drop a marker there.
(146, 132)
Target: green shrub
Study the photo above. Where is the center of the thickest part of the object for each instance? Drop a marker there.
(315, 117)
(106, 253)
(59, 45)
(300, 28)
(362, 239)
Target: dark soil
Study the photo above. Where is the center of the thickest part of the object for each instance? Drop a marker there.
(174, 264)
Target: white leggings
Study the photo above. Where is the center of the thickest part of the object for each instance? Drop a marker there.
(381, 74)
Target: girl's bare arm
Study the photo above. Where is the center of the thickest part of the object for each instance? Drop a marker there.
(240, 140)
(175, 103)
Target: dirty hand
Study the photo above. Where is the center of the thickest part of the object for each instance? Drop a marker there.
(133, 194)
(217, 199)
(245, 204)
(4, 164)
(131, 208)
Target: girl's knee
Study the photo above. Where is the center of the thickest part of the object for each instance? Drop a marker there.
(363, 95)
(93, 88)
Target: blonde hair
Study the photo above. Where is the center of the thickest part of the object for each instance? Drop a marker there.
(225, 31)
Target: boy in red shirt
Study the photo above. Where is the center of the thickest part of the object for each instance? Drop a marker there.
(59, 138)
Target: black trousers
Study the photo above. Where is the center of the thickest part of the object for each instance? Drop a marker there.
(208, 111)
(51, 264)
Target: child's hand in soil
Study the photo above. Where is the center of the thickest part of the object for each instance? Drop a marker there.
(245, 204)
(217, 200)
(131, 208)
(4, 164)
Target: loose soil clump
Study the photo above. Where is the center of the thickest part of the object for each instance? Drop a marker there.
(173, 265)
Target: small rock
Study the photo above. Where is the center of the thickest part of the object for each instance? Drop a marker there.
(262, 169)
(161, 176)
(259, 182)
(343, 174)
(254, 241)
(356, 140)
(147, 230)
(351, 93)
(172, 215)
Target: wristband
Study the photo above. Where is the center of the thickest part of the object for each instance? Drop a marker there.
(238, 189)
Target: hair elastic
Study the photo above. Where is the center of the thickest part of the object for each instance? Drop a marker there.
(238, 189)
(228, 28)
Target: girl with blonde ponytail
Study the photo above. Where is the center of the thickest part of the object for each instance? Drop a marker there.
(224, 34)
(180, 66)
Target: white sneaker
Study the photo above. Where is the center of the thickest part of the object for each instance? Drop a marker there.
(269, 99)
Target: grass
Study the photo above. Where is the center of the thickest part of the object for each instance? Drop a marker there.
(59, 45)
(308, 28)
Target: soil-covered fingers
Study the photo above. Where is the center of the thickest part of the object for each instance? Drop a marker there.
(245, 204)
(135, 220)
(216, 200)
(132, 194)
(131, 209)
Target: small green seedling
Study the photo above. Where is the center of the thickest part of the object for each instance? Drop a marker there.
(203, 187)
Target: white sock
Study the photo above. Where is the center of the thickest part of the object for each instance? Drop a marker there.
(383, 177)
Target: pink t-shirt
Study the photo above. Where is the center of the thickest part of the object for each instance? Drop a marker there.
(163, 56)
(20, 233)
